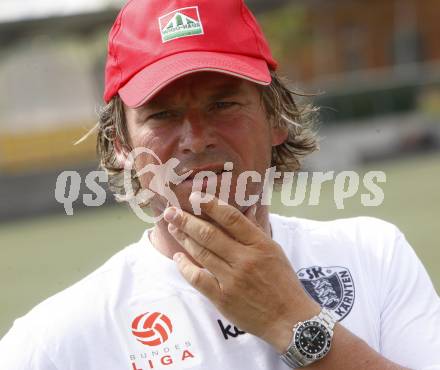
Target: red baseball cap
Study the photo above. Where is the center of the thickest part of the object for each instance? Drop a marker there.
(154, 42)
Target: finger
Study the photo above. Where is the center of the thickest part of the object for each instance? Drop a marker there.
(200, 254)
(204, 233)
(199, 278)
(231, 219)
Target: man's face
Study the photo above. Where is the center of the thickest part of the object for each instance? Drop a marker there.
(204, 120)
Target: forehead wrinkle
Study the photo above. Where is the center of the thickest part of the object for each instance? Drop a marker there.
(225, 91)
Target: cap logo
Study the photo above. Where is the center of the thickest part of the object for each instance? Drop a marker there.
(180, 23)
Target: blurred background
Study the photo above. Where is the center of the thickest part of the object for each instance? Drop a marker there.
(374, 65)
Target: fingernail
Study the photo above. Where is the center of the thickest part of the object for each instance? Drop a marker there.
(254, 210)
(177, 257)
(195, 196)
(172, 228)
(170, 214)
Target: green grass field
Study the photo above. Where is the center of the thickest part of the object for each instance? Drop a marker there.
(43, 256)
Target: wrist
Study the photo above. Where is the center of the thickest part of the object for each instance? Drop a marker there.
(280, 342)
(280, 335)
(311, 340)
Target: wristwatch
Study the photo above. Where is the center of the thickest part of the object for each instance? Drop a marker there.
(311, 340)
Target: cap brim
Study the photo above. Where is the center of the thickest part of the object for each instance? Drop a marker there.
(149, 81)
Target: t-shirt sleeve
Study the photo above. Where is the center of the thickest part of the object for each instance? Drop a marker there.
(20, 349)
(410, 312)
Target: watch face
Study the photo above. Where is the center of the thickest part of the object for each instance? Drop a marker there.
(312, 339)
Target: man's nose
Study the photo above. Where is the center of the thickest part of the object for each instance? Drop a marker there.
(197, 134)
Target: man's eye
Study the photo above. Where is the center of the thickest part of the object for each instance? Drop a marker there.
(163, 115)
(222, 105)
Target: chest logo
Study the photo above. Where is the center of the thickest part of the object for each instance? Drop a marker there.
(152, 329)
(180, 23)
(331, 287)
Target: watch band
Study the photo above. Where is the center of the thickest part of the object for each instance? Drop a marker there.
(292, 357)
(327, 318)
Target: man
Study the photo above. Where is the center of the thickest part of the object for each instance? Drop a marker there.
(234, 287)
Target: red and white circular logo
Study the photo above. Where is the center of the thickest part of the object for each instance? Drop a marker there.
(152, 329)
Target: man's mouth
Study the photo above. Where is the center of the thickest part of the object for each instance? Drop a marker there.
(217, 170)
(217, 173)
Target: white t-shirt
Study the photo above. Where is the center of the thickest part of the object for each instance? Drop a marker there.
(137, 312)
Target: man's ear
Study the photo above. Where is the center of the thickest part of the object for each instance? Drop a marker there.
(121, 153)
(279, 135)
